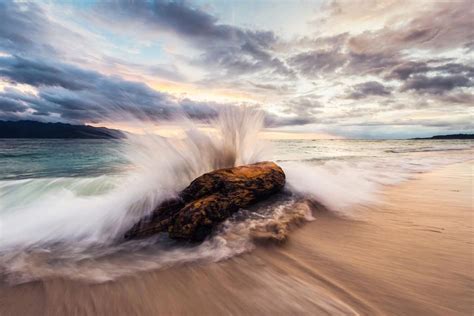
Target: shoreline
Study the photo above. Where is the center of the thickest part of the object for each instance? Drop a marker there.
(411, 253)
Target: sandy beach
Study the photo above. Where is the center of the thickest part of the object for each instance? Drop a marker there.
(410, 255)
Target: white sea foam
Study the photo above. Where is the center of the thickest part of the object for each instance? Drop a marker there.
(37, 212)
(75, 222)
(81, 218)
(342, 184)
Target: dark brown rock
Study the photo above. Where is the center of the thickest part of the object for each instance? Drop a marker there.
(209, 200)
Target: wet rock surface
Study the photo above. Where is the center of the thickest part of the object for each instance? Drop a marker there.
(209, 200)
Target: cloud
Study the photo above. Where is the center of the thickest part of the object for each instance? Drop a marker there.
(192, 23)
(224, 47)
(435, 27)
(272, 120)
(459, 123)
(20, 26)
(436, 77)
(68, 93)
(303, 107)
(167, 71)
(203, 111)
(318, 62)
(26, 29)
(458, 98)
(41, 73)
(370, 88)
(406, 69)
(370, 63)
(11, 105)
(280, 88)
(406, 58)
(78, 95)
(436, 85)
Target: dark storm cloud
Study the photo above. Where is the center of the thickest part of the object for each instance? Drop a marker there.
(20, 27)
(433, 77)
(71, 93)
(447, 24)
(342, 61)
(26, 101)
(297, 111)
(436, 85)
(370, 63)
(440, 78)
(370, 88)
(195, 24)
(272, 120)
(40, 73)
(253, 61)
(408, 69)
(405, 70)
(317, 62)
(225, 47)
(68, 93)
(199, 110)
(233, 52)
(25, 29)
(235, 61)
(17, 105)
(303, 107)
(78, 95)
(438, 27)
(11, 105)
(456, 68)
(271, 87)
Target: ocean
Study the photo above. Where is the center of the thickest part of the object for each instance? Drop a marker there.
(84, 158)
(64, 204)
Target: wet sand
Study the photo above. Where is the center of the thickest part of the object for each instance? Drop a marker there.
(409, 255)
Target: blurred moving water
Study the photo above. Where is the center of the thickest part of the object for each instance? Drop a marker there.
(65, 203)
(70, 199)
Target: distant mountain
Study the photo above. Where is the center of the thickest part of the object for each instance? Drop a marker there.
(33, 129)
(452, 136)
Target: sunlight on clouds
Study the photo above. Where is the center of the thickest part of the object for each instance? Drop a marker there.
(177, 131)
(25, 88)
(200, 94)
(311, 66)
(361, 15)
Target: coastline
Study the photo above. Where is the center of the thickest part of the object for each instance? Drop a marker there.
(411, 253)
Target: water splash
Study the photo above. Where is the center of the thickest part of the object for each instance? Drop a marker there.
(72, 219)
(69, 226)
(159, 168)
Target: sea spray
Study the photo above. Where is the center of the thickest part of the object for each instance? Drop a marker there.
(70, 226)
(337, 188)
(72, 219)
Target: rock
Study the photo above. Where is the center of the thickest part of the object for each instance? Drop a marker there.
(209, 200)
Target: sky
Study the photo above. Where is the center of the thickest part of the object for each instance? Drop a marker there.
(353, 69)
